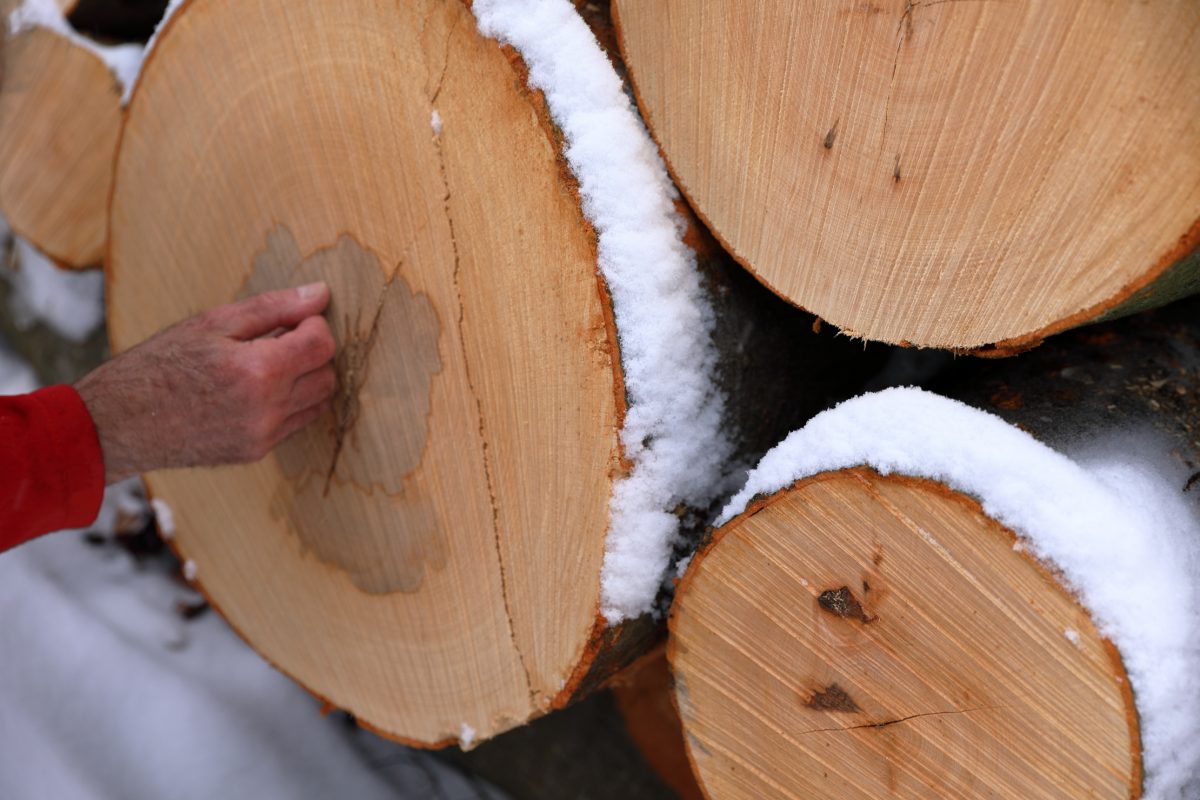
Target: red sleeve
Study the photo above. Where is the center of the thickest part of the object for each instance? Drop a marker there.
(51, 467)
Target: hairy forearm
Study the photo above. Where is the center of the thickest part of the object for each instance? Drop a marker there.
(222, 387)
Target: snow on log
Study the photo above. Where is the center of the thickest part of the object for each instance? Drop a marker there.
(530, 396)
(959, 175)
(60, 114)
(927, 601)
(64, 6)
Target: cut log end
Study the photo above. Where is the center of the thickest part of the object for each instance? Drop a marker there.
(428, 555)
(60, 115)
(951, 175)
(861, 636)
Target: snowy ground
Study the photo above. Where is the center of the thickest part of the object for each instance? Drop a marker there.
(108, 690)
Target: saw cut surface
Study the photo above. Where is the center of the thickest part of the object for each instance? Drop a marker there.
(60, 113)
(949, 174)
(428, 555)
(860, 636)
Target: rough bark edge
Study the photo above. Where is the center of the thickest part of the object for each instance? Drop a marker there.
(607, 649)
(1052, 577)
(659, 737)
(1182, 261)
(585, 750)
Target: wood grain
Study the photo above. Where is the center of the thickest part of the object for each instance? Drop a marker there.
(60, 114)
(429, 555)
(859, 636)
(950, 174)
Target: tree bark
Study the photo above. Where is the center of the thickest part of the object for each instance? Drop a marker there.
(583, 752)
(644, 693)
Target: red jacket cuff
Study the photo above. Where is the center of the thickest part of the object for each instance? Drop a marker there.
(72, 435)
(51, 465)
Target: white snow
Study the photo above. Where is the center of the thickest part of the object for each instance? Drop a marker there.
(435, 122)
(673, 429)
(164, 516)
(1073, 636)
(1112, 519)
(123, 60)
(70, 302)
(107, 692)
(466, 736)
(190, 571)
(16, 377)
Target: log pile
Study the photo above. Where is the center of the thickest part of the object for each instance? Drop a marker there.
(443, 535)
(554, 374)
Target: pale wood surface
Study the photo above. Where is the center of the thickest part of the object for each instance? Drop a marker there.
(948, 672)
(950, 174)
(59, 120)
(442, 565)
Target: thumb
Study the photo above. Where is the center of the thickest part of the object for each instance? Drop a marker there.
(269, 311)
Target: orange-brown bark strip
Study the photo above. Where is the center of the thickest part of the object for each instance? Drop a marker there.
(645, 696)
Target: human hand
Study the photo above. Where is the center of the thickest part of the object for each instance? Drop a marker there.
(222, 387)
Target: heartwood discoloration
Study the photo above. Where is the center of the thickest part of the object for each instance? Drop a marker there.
(375, 437)
(832, 698)
(842, 603)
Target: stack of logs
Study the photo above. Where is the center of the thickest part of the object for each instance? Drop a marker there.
(971, 178)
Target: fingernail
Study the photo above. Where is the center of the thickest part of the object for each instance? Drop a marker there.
(310, 290)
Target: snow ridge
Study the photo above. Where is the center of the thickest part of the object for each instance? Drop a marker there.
(1124, 537)
(673, 429)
